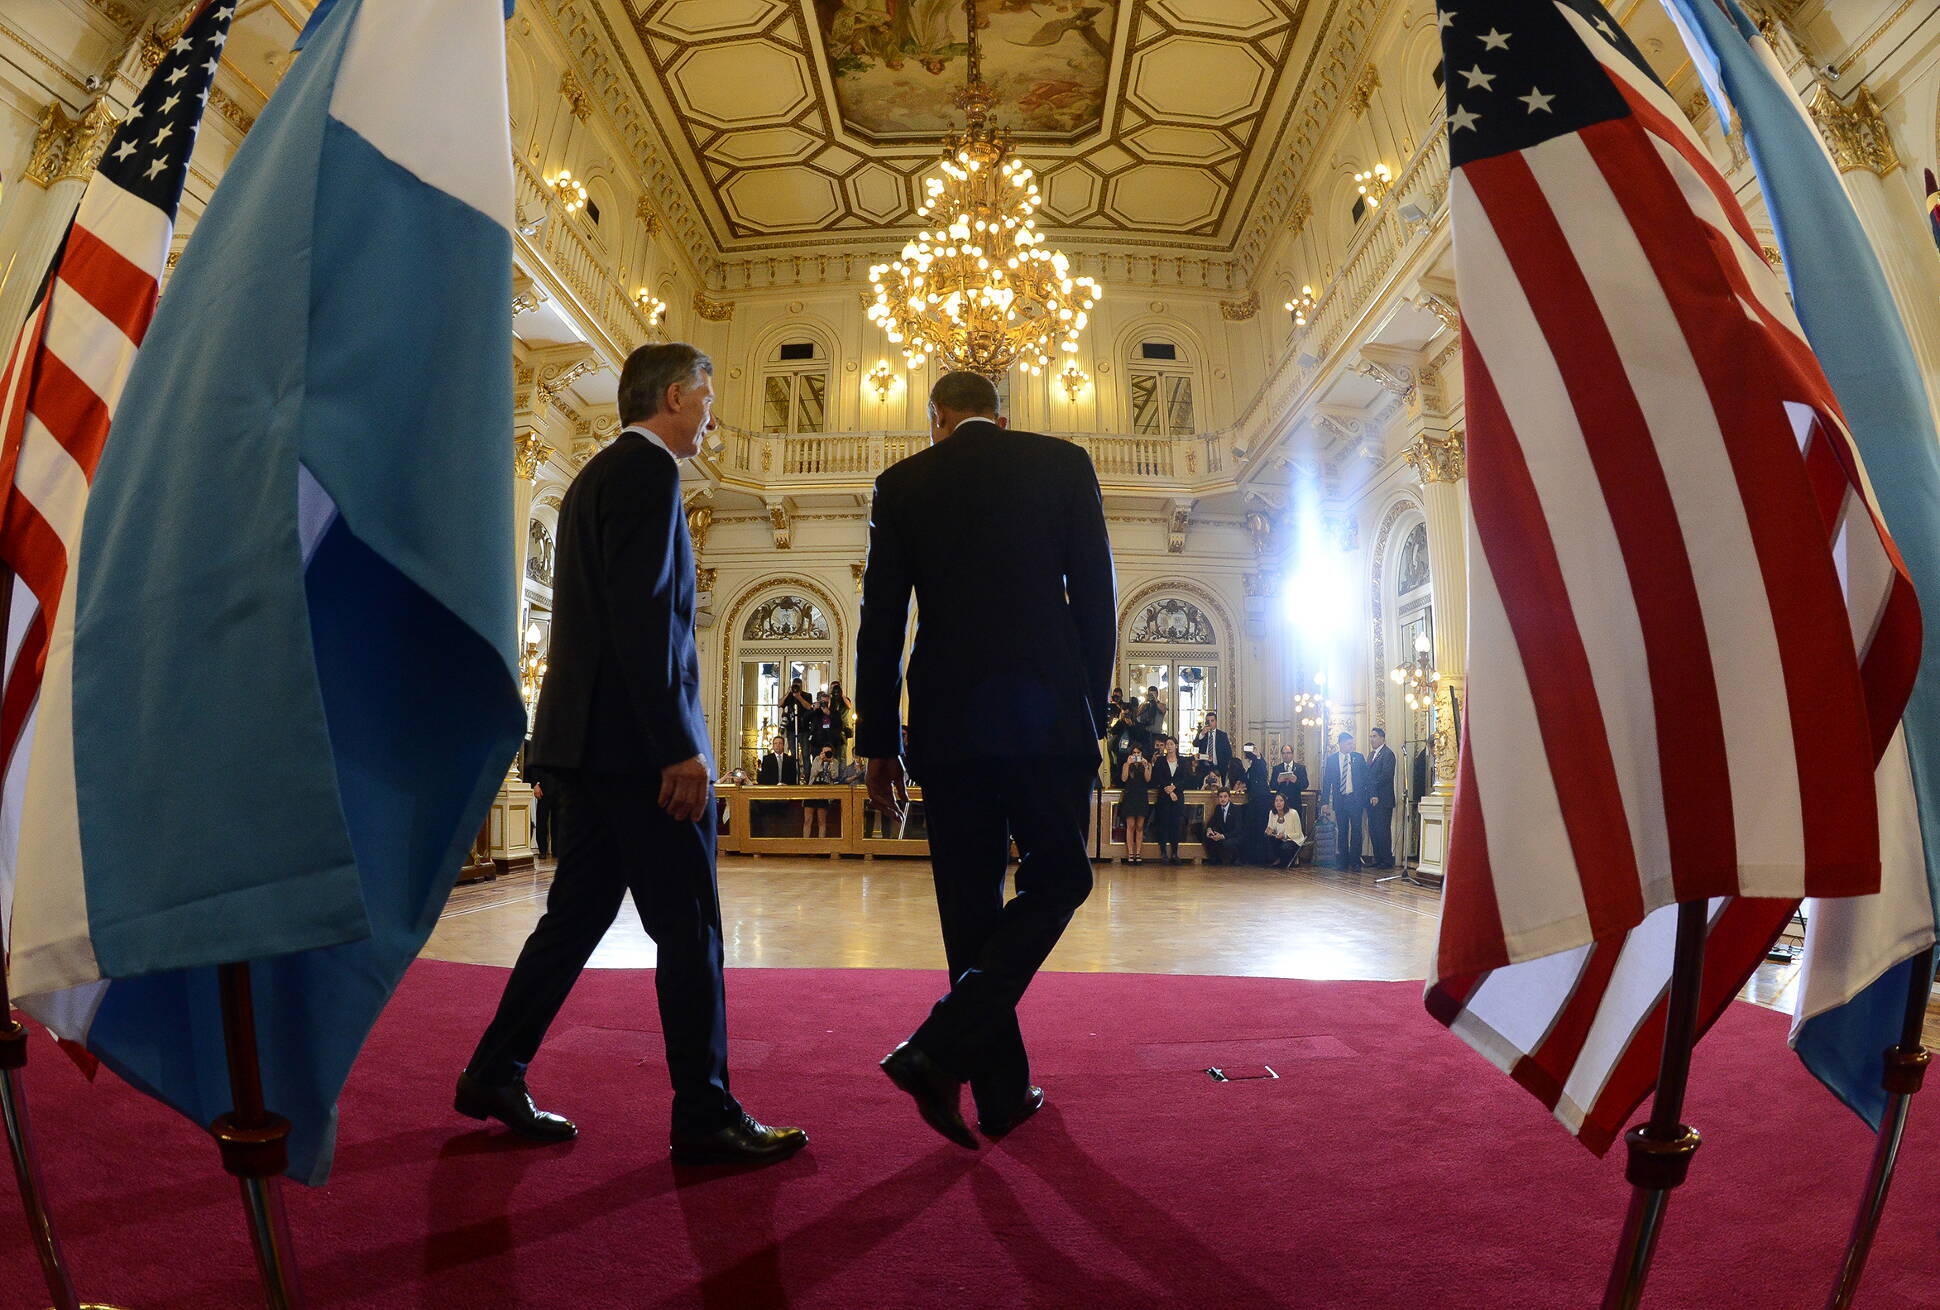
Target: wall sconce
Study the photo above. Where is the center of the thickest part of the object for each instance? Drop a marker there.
(1374, 184)
(882, 378)
(1074, 380)
(650, 305)
(1301, 306)
(570, 190)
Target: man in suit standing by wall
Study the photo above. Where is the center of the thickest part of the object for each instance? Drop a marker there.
(620, 736)
(1001, 537)
(1214, 747)
(1259, 800)
(1380, 799)
(1343, 791)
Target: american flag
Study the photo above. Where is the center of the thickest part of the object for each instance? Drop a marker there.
(66, 370)
(1690, 637)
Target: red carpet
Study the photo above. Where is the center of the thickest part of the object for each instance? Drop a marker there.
(1388, 1167)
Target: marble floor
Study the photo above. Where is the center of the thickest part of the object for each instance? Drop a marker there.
(816, 912)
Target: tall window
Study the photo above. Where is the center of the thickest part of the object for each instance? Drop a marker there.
(1160, 378)
(795, 388)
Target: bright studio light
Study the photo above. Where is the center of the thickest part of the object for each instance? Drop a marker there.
(1319, 599)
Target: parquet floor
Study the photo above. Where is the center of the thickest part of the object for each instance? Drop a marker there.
(810, 912)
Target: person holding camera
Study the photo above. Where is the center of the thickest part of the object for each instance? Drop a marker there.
(826, 773)
(1135, 803)
(840, 727)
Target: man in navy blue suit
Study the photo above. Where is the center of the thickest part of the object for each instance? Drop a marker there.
(620, 736)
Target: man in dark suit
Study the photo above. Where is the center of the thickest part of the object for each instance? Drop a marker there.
(1380, 799)
(1214, 748)
(777, 767)
(1259, 803)
(1224, 825)
(1003, 730)
(620, 735)
(542, 803)
(1290, 778)
(1343, 790)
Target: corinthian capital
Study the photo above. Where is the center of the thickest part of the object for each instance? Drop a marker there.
(1438, 456)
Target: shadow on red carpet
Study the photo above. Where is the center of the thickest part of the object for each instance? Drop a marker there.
(1388, 1166)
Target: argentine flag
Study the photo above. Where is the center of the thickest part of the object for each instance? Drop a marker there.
(281, 689)
(1861, 953)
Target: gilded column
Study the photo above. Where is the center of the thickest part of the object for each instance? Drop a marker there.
(1439, 458)
(1861, 143)
(66, 150)
(512, 831)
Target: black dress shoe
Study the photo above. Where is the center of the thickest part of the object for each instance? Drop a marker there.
(938, 1095)
(1033, 1102)
(745, 1141)
(511, 1105)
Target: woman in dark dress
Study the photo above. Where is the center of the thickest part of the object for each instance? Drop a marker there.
(1134, 803)
(1168, 788)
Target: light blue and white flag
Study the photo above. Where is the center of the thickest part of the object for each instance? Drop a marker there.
(1861, 952)
(281, 689)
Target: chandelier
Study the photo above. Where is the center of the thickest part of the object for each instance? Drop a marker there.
(978, 290)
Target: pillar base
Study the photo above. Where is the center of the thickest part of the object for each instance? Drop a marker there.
(512, 831)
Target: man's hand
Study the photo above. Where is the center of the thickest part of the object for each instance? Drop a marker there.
(889, 787)
(538, 791)
(683, 790)
(1374, 802)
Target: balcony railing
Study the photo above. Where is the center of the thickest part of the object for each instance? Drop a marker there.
(839, 457)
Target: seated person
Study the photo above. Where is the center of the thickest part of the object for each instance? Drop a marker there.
(1223, 831)
(1284, 835)
(777, 767)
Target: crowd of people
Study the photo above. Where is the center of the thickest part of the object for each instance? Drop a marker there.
(1254, 818)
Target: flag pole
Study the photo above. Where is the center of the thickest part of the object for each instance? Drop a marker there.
(255, 1145)
(1661, 1149)
(1905, 1065)
(21, 1145)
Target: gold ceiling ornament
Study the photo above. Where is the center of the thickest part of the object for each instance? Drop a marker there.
(1855, 133)
(714, 311)
(979, 291)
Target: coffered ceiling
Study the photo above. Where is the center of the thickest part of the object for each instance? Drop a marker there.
(1151, 122)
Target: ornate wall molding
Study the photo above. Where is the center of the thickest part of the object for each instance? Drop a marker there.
(1378, 606)
(1856, 133)
(1362, 95)
(1239, 311)
(714, 311)
(756, 591)
(1225, 630)
(577, 100)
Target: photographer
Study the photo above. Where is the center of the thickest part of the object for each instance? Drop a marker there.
(840, 728)
(1135, 803)
(796, 710)
(826, 773)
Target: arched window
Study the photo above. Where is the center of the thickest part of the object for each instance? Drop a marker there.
(1359, 211)
(795, 388)
(1411, 572)
(1160, 379)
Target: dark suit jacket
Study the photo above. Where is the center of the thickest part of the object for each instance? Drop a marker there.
(1330, 780)
(1257, 793)
(1228, 823)
(1219, 750)
(1290, 780)
(1380, 776)
(1001, 537)
(777, 770)
(622, 692)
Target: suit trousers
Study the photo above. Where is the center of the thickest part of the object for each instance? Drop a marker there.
(1347, 833)
(613, 839)
(975, 810)
(542, 824)
(1380, 831)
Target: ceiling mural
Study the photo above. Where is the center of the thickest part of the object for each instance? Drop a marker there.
(897, 64)
(1147, 120)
